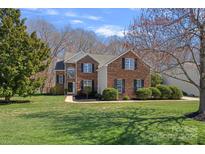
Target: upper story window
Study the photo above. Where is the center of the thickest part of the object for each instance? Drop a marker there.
(87, 68)
(129, 64)
(71, 72)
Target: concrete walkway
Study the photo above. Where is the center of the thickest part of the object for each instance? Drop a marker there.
(129, 101)
(190, 98)
(69, 99)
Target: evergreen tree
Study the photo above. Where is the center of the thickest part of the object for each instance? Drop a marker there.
(22, 56)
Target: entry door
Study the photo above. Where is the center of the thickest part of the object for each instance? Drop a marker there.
(70, 87)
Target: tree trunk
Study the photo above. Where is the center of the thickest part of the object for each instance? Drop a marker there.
(202, 71)
(7, 98)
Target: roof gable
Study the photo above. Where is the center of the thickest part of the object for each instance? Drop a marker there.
(138, 57)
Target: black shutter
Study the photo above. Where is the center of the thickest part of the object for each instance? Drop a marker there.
(93, 85)
(93, 68)
(81, 84)
(123, 86)
(134, 86)
(82, 67)
(135, 63)
(115, 83)
(142, 83)
(57, 78)
(63, 79)
(123, 63)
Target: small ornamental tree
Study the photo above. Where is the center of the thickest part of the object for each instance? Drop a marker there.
(22, 56)
(87, 90)
(156, 79)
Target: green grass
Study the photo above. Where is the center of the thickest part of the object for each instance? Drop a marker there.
(48, 120)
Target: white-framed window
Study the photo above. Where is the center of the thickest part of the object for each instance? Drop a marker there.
(60, 79)
(129, 64)
(119, 85)
(87, 83)
(139, 84)
(87, 68)
(71, 72)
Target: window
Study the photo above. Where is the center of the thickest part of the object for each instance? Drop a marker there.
(120, 85)
(71, 72)
(87, 83)
(87, 68)
(138, 84)
(60, 80)
(129, 64)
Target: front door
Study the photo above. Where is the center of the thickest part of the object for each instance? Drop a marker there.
(70, 87)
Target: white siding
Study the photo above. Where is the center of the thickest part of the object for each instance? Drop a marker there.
(102, 79)
(186, 87)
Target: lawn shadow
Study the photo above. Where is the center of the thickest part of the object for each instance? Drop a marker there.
(135, 126)
(3, 102)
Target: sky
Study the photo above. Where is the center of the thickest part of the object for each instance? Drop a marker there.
(104, 22)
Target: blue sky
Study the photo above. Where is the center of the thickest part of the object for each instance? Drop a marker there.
(104, 22)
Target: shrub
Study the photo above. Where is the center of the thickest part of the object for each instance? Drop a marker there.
(110, 94)
(176, 92)
(98, 96)
(87, 90)
(156, 79)
(156, 94)
(144, 93)
(57, 90)
(184, 93)
(126, 98)
(165, 91)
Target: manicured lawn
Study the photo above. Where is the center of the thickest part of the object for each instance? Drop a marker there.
(48, 120)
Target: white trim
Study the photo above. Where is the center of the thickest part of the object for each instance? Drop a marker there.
(59, 70)
(73, 56)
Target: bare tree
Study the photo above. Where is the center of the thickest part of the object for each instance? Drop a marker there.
(56, 40)
(173, 37)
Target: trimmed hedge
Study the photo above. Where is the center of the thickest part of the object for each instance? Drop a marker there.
(126, 98)
(143, 93)
(176, 92)
(110, 94)
(165, 91)
(156, 94)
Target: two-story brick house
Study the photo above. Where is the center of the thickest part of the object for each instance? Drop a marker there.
(125, 72)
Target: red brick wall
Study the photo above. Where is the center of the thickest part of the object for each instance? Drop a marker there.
(86, 76)
(115, 71)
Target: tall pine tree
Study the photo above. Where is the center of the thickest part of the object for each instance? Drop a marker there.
(22, 56)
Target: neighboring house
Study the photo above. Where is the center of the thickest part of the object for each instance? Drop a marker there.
(125, 72)
(186, 87)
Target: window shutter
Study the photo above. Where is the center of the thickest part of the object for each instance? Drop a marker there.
(135, 63)
(63, 78)
(81, 84)
(93, 68)
(82, 67)
(123, 63)
(123, 86)
(115, 83)
(134, 86)
(142, 83)
(57, 78)
(93, 86)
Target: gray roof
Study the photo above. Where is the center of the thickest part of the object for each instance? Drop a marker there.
(59, 65)
(100, 58)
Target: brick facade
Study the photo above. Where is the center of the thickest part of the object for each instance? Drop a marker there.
(86, 76)
(115, 71)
